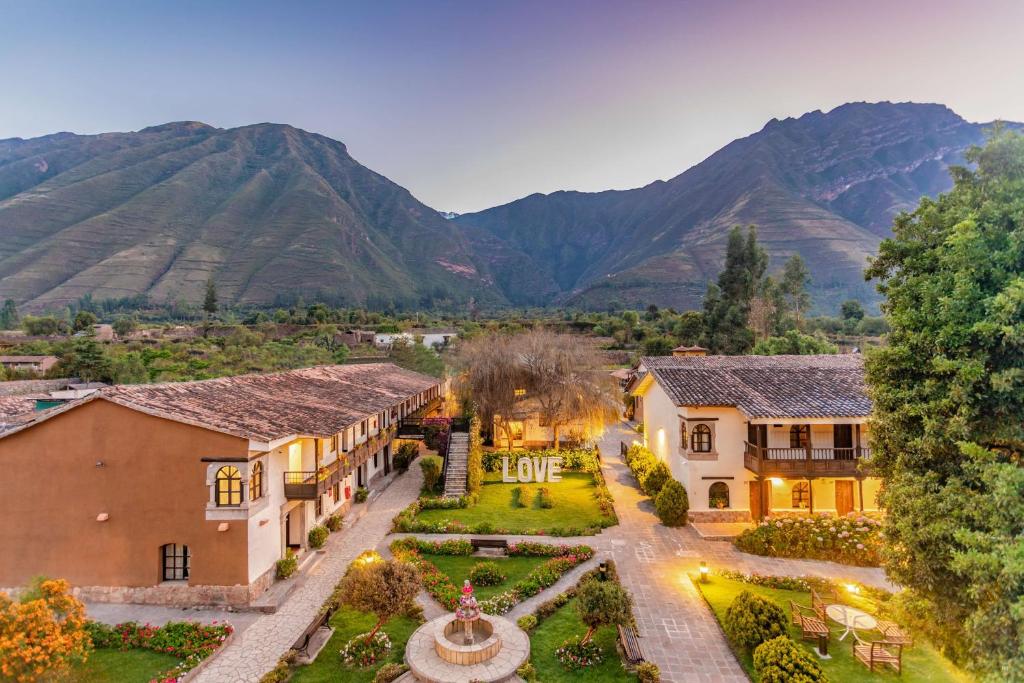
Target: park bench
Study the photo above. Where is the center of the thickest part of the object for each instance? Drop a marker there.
(489, 543)
(880, 652)
(301, 645)
(811, 627)
(819, 601)
(894, 634)
(631, 644)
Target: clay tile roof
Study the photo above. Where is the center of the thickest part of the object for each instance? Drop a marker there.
(766, 386)
(318, 401)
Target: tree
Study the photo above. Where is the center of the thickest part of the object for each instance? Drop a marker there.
(658, 346)
(852, 310)
(727, 305)
(689, 328)
(87, 360)
(602, 603)
(124, 325)
(672, 504)
(489, 377)
(383, 587)
(413, 356)
(795, 278)
(84, 320)
(43, 326)
(630, 320)
(948, 391)
(794, 343)
(9, 316)
(210, 298)
(41, 634)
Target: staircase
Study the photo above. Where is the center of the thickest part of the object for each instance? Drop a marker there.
(456, 466)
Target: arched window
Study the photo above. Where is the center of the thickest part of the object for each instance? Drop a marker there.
(801, 494)
(701, 438)
(228, 487)
(175, 562)
(798, 435)
(718, 495)
(256, 481)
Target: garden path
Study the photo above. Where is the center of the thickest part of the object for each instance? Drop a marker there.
(256, 651)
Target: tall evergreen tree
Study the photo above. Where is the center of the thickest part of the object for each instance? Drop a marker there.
(210, 299)
(727, 306)
(948, 391)
(795, 278)
(9, 316)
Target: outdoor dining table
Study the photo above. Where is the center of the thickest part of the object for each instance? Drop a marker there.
(851, 618)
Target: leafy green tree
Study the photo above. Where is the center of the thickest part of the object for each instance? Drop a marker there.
(9, 316)
(852, 310)
(84, 320)
(689, 328)
(602, 603)
(948, 391)
(125, 325)
(630, 319)
(658, 346)
(413, 356)
(793, 343)
(727, 305)
(210, 298)
(384, 588)
(42, 326)
(795, 278)
(87, 360)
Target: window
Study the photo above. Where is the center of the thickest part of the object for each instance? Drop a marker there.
(798, 435)
(256, 481)
(519, 392)
(336, 492)
(701, 437)
(175, 562)
(682, 435)
(801, 494)
(718, 495)
(228, 487)
(375, 460)
(319, 507)
(362, 428)
(334, 443)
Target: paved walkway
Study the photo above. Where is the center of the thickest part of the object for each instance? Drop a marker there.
(256, 650)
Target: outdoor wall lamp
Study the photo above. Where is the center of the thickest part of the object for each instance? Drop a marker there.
(704, 571)
(102, 517)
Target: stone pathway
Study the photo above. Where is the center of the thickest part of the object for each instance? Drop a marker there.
(256, 650)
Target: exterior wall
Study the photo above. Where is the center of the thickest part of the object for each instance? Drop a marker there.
(536, 436)
(152, 484)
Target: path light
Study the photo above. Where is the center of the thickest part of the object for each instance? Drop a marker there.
(703, 571)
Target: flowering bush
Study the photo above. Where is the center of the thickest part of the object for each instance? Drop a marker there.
(444, 503)
(574, 654)
(189, 641)
(573, 459)
(486, 574)
(534, 549)
(854, 539)
(42, 634)
(363, 650)
(500, 603)
(787, 583)
(318, 536)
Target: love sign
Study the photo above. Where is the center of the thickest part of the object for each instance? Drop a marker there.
(532, 469)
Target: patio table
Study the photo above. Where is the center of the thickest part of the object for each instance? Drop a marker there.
(851, 618)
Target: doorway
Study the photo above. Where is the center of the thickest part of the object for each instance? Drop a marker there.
(844, 497)
(760, 499)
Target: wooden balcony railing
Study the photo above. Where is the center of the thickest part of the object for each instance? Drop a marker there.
(805, 462)
(309, 485)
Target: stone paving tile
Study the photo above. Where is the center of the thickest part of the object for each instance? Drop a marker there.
(257, 649)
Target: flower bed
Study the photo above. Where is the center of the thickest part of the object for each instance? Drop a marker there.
(854, 539)
(573, 459)
(190, 642)
(443, 589)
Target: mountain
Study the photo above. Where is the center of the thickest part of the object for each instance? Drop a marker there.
(824, 185)
(268, 211)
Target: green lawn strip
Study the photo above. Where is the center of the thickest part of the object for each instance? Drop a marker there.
(573, 497)
(457, 569)
(920, 662)
(554, 630)
(348, 623)
(115, 666)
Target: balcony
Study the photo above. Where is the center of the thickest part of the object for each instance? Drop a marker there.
(805, 462)
(309, 485)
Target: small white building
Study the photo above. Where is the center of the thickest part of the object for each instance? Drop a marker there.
(435, 338)
(749, 435)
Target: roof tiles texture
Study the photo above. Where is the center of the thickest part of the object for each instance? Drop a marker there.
(766, 386)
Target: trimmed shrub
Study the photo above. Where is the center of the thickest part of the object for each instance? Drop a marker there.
(362, 493)
(527, 622)
(655, 479)
(318, 536)
(780, 660)
(486, 574)
(544, 499)
(287, 565)
(334, 523)
(528, 672)
(576, 654)
(431, 466)
(389, 672)
(517, 497)
(648, 672)
(366, 649)
(405, 454)
(672, 504)
(854, 539)
(751, 620)
(474, 463)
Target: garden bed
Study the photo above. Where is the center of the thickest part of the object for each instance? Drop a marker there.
(920, 662)
(106, 665)
(854, 539)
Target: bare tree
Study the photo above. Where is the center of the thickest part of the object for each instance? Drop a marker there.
(489, 377)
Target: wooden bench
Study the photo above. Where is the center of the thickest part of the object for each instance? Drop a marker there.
(879, 652)
(811, 627)
(819, 601)
(488, 543)
(301, 645)
(894, 634)
(631, 644)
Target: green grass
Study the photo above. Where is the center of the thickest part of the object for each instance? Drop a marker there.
(457, 568)
(132, 666)
(920, 663)
(574, 506)
(553, 631)
(347, 623)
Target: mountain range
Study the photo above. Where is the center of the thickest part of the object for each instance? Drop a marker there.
(273, 213)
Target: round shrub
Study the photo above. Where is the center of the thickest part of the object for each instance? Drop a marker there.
(389, 672)
(648, 672)
(334, 523)
(528, 672)
(486, 574)
(672, 504)
(576, 654)
(780, 660)
(751, 620)
(287, 565)
(363, 650)
(544, 499)
(431, 466)
(318, 536)
(527, 622)
(655, 479)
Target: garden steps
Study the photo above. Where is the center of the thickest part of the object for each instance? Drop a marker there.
(457, 468)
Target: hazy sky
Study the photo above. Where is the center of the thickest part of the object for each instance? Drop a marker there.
(473, 104)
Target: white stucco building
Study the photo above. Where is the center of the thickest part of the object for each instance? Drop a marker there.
(749, 435)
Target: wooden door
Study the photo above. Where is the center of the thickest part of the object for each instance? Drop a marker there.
(760, 501)
(844, 497)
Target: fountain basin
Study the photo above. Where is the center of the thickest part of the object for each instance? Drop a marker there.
(436, 652)
(450, 645)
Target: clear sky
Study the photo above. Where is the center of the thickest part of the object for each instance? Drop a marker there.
(473, 104)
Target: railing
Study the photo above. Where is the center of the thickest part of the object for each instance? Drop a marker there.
(309, 485)
(803, 462)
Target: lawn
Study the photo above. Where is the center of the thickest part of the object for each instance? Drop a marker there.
(565, 623)
(457, 568)
(920, 663)
(348, 623)
(131, 666)
(573, 497)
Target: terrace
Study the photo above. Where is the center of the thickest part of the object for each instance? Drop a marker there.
(307, 485)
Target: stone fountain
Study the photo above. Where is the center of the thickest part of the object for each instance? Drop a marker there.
(472, 646)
